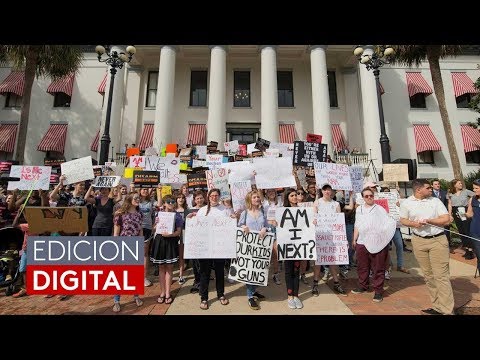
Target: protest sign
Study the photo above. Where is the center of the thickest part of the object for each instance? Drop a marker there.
(314, 138)
(331, 239)
(210, 237)
(239, 190)
(306, 153)
(218, 179)
(393, 209)
(356, 177)
(295, 233)
(77, 170)
(376, 227)
(262, 144)
(336, 175)
(136, 161)
(214, 161)
(253, 258)
(197, 181)
(106, 181)
(31, 177)
(166, 190)
(133, 152)
(53, 162)
(171, 148)
(272, 153)
(240, 171)
(146, 179)
(395, 172)
(165, 222)
(273, 173)
(383, 203)
(201, 151)
(231, 146)
(168, 168)
(242, 150)
(46, 219)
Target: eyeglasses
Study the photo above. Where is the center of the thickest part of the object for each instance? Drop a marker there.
(171, 202)
(368, 196)
(300, 193)
(214, 195)
(136, 198)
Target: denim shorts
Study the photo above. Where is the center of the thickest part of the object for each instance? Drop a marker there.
(23, 262)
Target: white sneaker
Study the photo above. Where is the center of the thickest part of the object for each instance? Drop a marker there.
(298, 303)
(231, 281)
(291, 303)
(387, 275)
(147, 282)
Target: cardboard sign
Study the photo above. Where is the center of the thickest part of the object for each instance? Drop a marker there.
(77, 170)
(306, 153)
(314, 138)
(253, 258)
(395, 172)
(70, 220)
(133, 152)
(331, 239)
(31, 177)
(146, 179)
(106, 181)
(262, 144)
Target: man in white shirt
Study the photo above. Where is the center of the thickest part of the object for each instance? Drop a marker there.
(430, 245)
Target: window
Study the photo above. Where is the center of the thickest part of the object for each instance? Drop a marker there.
(463, 100)
(426, 157)
(152, 89)
(417, 101)
(473, 157)
(198, 88)
(332, 89)
(285, 88)
(13, 100)
(244, 133)
(241, 89)
(61, 100)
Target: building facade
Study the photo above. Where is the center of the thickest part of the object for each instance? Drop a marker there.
(195, 94)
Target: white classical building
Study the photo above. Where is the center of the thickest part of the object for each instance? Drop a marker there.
(194, 94)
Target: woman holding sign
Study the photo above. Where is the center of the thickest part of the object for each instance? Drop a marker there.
(372, 233)
(253, 218)
(213, 208)
(165, 246)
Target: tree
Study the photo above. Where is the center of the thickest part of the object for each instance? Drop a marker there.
(416, 54)
(54, 61)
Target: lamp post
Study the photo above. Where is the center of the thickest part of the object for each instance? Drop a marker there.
(375, 61)
(114, 60)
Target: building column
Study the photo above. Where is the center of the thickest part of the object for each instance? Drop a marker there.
(118, 103)
(162, 134)
(371, 116)
(320, 95)
(217, 95)
(133, 113)
(269, 94)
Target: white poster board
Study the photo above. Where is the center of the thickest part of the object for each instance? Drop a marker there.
(273, 173)
(336, 175)
(331, 239)
(77, 170)
(106, 181)
(239, 190)
(231, 147)
(295, 233)
(201, 151)
(218, 179)
(214, 161)
(165, 222)
(240, 171)
(31, 177)
(168, 167)
(395, 172)
(356, 176)
(210, 237)
(253, 258)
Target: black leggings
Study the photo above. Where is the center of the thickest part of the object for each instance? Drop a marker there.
(292, 274)
(205, 268)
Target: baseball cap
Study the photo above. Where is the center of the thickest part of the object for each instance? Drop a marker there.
(369, 184)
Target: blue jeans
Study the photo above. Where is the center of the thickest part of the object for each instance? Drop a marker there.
(398, 241)
(251, 290)
(23, 262)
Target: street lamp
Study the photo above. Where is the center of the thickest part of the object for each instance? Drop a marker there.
(375, 61)
(115, 60)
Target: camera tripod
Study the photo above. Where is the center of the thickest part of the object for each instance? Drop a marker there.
(374, 169)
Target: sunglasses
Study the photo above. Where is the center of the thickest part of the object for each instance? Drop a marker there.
(300, 193)
(368, 196)
(136, 198)
(171, 202)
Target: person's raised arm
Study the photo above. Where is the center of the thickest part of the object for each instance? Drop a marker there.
(88, 196)
(54, 195)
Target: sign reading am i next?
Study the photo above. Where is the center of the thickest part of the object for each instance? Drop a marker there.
(90, 265)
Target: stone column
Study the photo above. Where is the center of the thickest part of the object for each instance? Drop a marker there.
(320, 95)
(269, 94)
(217, 95)
(162, 134)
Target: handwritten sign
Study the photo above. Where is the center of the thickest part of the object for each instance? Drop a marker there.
(383, 203)
(356, 177)
(67, 219)
(314, 138)
(395, 172)
(165, 222)
(336, 175)
(273, 173)
(136, 162)
(77, 170)
(295, 233)
(166, 190)
(393, 209)
(210, 237)
(253, 258)
(214, 161)
(239, 190)
(231, 146)
(218, 179)
(331, 239)
(106, 181)
(201, 151)
(31, 177)
(168, 168)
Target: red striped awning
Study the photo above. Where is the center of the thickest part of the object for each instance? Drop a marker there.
(287, 133)
(94, 145)
(382, 90)
(14, 83)
(338, 139)
(146, 140)
(197, 134)
(54, 139)
(425, 140)
(64, 85)
(8, 135)
(462, 84)
(471, 138)
(417, 84)
(103, 84)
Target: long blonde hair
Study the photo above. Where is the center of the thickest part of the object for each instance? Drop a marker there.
(248, 199)
(126, 204)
